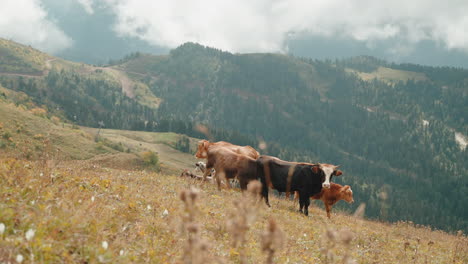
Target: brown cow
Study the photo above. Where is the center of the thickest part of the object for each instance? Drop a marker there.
(331, 196)
(205, 147)
(229, 164)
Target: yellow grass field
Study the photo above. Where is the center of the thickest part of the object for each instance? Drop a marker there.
(80, 212)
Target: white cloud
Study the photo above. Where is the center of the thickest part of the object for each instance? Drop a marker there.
(87, 5)
(264, 25)
(25, 21)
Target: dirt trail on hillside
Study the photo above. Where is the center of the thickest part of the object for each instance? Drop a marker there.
(21, 75)
(127, 84)
(125, 81)
(45, 72)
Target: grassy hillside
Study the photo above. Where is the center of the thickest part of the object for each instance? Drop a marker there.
(173, 161)
(28, 131)
(17, 58)
(81, 212)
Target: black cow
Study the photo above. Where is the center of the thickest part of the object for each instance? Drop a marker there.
(305, 178)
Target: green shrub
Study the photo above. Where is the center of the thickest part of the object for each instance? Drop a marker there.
(183, 144)
(151, 159)
(6, 135)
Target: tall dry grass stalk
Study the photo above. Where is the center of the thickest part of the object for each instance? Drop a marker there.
(272, 240)
(242, 216)
(332, 241)
(196, 248)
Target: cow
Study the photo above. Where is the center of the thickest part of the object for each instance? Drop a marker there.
(204, 147)
(189, 174)
(229, 164)
(201, 166)
(284, 176)
(331, 196)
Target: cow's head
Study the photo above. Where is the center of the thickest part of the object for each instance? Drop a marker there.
(202, 149)
(328, 170)
(347, 194)
(201, 166)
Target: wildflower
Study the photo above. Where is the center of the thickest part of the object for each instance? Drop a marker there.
(105, 245)
(165, 213)
(19, 258)
(2, 228)
(30, 234)
(148, 207)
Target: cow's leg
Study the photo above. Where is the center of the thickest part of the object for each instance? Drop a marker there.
(219, 173)
(265, 194)
(304, 202)
(301, 206)
(207, 171)
(242, 183)
(228, 182)
(328, 208)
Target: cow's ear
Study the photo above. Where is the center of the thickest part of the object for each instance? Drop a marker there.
(206, 143)
(315, 169)
(338, 173)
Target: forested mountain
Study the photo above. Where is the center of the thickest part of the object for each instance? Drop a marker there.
(390, 127)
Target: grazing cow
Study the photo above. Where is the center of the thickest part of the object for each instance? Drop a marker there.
(204, 147)
(305, 178)
(201, 166)
(229, 164)
(189, 174)
(331, 196)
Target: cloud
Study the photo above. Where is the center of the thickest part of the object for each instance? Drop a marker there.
(25, 21)
(265, 25)
(87, 5)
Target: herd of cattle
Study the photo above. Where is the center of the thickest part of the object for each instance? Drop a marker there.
(227, 161)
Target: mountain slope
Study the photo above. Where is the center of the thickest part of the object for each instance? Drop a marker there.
(390, 132)
(394, 137)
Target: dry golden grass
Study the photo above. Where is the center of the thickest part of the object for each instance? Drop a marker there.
(23, 132)
(173, 161)
(79, 212)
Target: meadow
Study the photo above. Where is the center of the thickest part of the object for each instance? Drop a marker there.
(81, 212)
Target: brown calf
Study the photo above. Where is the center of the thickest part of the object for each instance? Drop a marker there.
(331, 196)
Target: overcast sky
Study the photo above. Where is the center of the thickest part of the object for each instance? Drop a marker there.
(253, 25)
